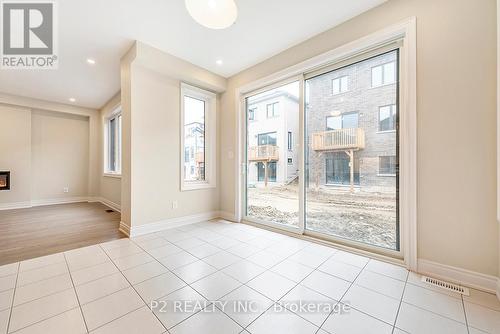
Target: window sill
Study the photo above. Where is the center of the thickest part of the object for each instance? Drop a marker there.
(340, 93)
(386, 175)
(188, 186)
(383, 85)
(113, 175)
(387, 131)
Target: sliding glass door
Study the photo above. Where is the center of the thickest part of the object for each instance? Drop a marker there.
(272, 156)
(339, 128)
(352, 152)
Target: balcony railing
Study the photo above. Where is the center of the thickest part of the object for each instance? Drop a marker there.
(342, 139)
(200, 157)
(263, 153)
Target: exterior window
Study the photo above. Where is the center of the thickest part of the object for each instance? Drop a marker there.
(273, 110)
(344, 121)
(198, 138)
(251, 114)
(338, 170)
(113, 144)
(290, 144)
(340, 85)
(271, 170)
(384, 74)
(194, 137)
(387, 165)
(387, 118)
(267, 139)
(290, 161)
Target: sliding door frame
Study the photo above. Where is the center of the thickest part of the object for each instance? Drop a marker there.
(405, 33)
(244, 150)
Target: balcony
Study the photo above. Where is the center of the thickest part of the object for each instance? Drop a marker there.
(263, 153)
(336, 140)
(200, 157)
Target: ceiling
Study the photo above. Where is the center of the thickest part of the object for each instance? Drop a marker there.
(105, 30)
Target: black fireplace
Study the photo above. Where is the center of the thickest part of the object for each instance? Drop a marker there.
(4, 180)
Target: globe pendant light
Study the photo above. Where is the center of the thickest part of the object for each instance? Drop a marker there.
(213, 14)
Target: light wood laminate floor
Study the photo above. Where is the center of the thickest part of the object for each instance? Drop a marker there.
(33, 232)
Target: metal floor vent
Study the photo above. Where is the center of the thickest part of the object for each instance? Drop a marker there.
(446, 285)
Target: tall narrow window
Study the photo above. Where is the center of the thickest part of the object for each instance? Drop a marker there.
(387, 118)
(113, 144)
(194, 137)
(198, 138)
(290, 144)
(272, 110)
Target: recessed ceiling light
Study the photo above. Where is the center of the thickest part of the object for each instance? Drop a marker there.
(213, 14)
(91, 61)
(219, 62)
(72, 99)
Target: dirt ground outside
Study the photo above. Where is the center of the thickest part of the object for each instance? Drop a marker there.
(368, 217)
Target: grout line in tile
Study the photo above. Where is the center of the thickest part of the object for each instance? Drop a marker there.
(399, 306)
(45, 319)
(76, 294)
(465, 314)
(343, 295)
(120, 318)
(131, 285)
(13, 296)
(437, 314)
(32, 300)
(297, 284)
(45, 265)
(190, 285)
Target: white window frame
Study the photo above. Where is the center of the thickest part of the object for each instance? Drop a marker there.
(276, 112)
(405, 31)
(339, 79)
(382, 66)
(210, 100)
(118, 150)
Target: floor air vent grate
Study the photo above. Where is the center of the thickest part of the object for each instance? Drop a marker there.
(446, 285)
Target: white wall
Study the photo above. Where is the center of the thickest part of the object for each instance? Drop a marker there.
(151, 138)
(48, 146)
(456, 46)
(15, 154)
(59, 155)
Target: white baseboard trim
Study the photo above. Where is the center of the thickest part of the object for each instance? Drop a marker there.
(460, 276)
(107, 202)
(15, 205)
(124, 228)
(171, 223)
(227, 216)
(55, 201)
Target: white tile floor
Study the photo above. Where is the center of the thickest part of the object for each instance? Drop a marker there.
(109, 288)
